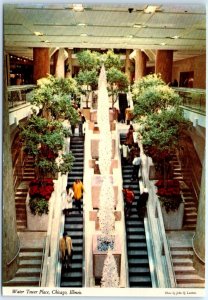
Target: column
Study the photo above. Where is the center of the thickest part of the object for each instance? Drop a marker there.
(60, 67)
(69, 70)
(140, 64)
(9, 233)
(8, 68)
(41, 60)
(199, 238)
(163, 64)
(128, 65)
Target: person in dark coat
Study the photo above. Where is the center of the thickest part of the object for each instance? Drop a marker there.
(141, 203)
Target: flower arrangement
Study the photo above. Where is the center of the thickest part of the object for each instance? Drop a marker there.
(40, 192)
(105, 244)
(169, 194)
(41, 188)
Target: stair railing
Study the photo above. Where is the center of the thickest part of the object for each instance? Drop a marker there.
(16, 255)
(42, 261)
(122, 214)
(163, 273)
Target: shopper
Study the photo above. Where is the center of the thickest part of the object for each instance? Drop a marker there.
(128, 198)
(136, 166)
(81, 122)
(66, 250)
(78, 189)
(67, 201)
(142, 202)
(129, 136)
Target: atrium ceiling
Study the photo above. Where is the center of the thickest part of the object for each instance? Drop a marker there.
(126, 26)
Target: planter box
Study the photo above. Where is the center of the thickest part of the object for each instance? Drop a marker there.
(86, 112)
(99, 256)
(94, 217)
(94, 165)
(173, 220)
(95, 147)
(36, 222)
(93, 115)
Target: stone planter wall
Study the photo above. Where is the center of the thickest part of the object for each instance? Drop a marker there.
(95, 147)
(36, 222)
(173, 220)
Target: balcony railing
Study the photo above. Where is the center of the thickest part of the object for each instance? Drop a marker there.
(193, 98)
(19, 94)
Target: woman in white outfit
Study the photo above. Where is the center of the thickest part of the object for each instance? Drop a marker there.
(67, 200)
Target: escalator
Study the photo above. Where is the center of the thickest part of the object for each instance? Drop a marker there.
(138, 263)
(74, 222)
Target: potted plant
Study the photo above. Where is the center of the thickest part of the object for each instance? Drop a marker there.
(117, 80)
(40, 192)
(87, 77)
(172, 204)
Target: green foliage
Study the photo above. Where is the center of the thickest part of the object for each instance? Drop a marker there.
(111, 59)
(38, 206)
(164, 129)
(67, 163)
(54, 140)
(155, 98)
(151, 80)
(170, 203)
(46, 166)
(117, 77)
(58, 85)
(87, 77)
(118, 82)
(54, 95)
(88, 60)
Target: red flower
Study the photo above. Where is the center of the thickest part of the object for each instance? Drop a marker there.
(41, 188)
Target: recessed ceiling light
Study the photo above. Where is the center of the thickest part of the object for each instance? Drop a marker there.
(78, 7)
(162, 44)
(150, 9)
(137, 25)
(38, 33)
(175, 37)
(83, 34)
(81, 24)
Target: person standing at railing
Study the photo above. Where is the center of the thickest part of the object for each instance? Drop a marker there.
(66, 250)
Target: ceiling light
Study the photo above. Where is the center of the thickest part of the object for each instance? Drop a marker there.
(175, 37)
(78, 7)
(81, 24)
(137, 25)
(150, 9)
(162, 44)
(38, 33)
(83, 34)
(129, 36)
(46, 41)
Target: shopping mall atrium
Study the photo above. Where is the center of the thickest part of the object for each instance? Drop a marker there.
(104, 123)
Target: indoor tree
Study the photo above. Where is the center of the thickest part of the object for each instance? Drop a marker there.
(116, 78)
(89, 62)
